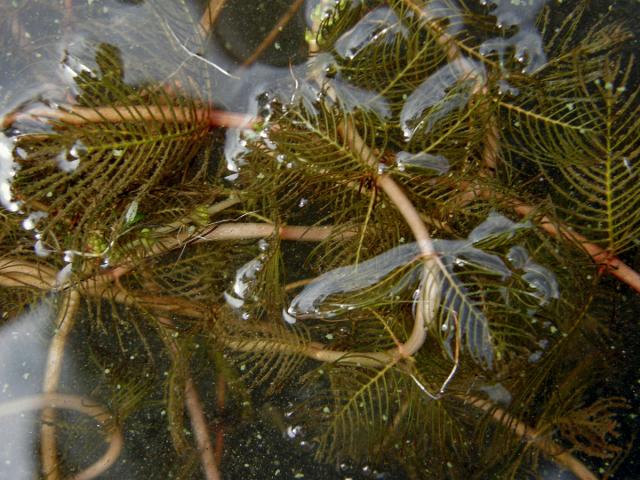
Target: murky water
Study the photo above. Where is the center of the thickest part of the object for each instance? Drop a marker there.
(115, 176)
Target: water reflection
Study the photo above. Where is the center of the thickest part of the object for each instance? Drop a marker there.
(23, 350)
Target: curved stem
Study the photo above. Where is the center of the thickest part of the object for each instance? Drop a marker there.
(430, 291)
(53, 369)
(15, 272)
(80, 404)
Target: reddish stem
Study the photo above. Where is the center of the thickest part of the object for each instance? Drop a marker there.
(615, 266)
(134, 113)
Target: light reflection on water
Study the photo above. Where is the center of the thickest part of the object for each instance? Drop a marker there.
(23, 348)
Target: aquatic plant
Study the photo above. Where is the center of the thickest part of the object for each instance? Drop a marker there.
(465, 174)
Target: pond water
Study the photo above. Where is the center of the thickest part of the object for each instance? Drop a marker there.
(319, 239)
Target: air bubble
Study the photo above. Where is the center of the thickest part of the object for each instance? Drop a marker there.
(21, 152)
(32, 220)
(287, 317)
(63, 275)
(66, 165)
(294, 431)
(535, 357)
(7, 172)
(40, 249)
(307, 446)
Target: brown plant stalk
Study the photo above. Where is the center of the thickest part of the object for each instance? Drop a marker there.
(273, 34)
(215, 232)
(80, 404)
(600, 256)
(53, 370)
(613, 265)
(529, 434)
(209, 16)
(74, 115)
(195, 410)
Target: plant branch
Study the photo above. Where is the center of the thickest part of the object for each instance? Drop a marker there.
(84, 405)
(210, 15)
(73, 115)
(15, 272)
(428, 304)
(273, 34)
(200, 430)
(546, 445)
(215, 232)
(53, 369)
(600, 256)
(195, 409)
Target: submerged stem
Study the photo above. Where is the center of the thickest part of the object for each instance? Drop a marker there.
(546, 445)
(426, 305)
(273, 34)
(53, 370)
(210, 16)
(80, 404)
(74, 115)
(196, 412)
(600, 256)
